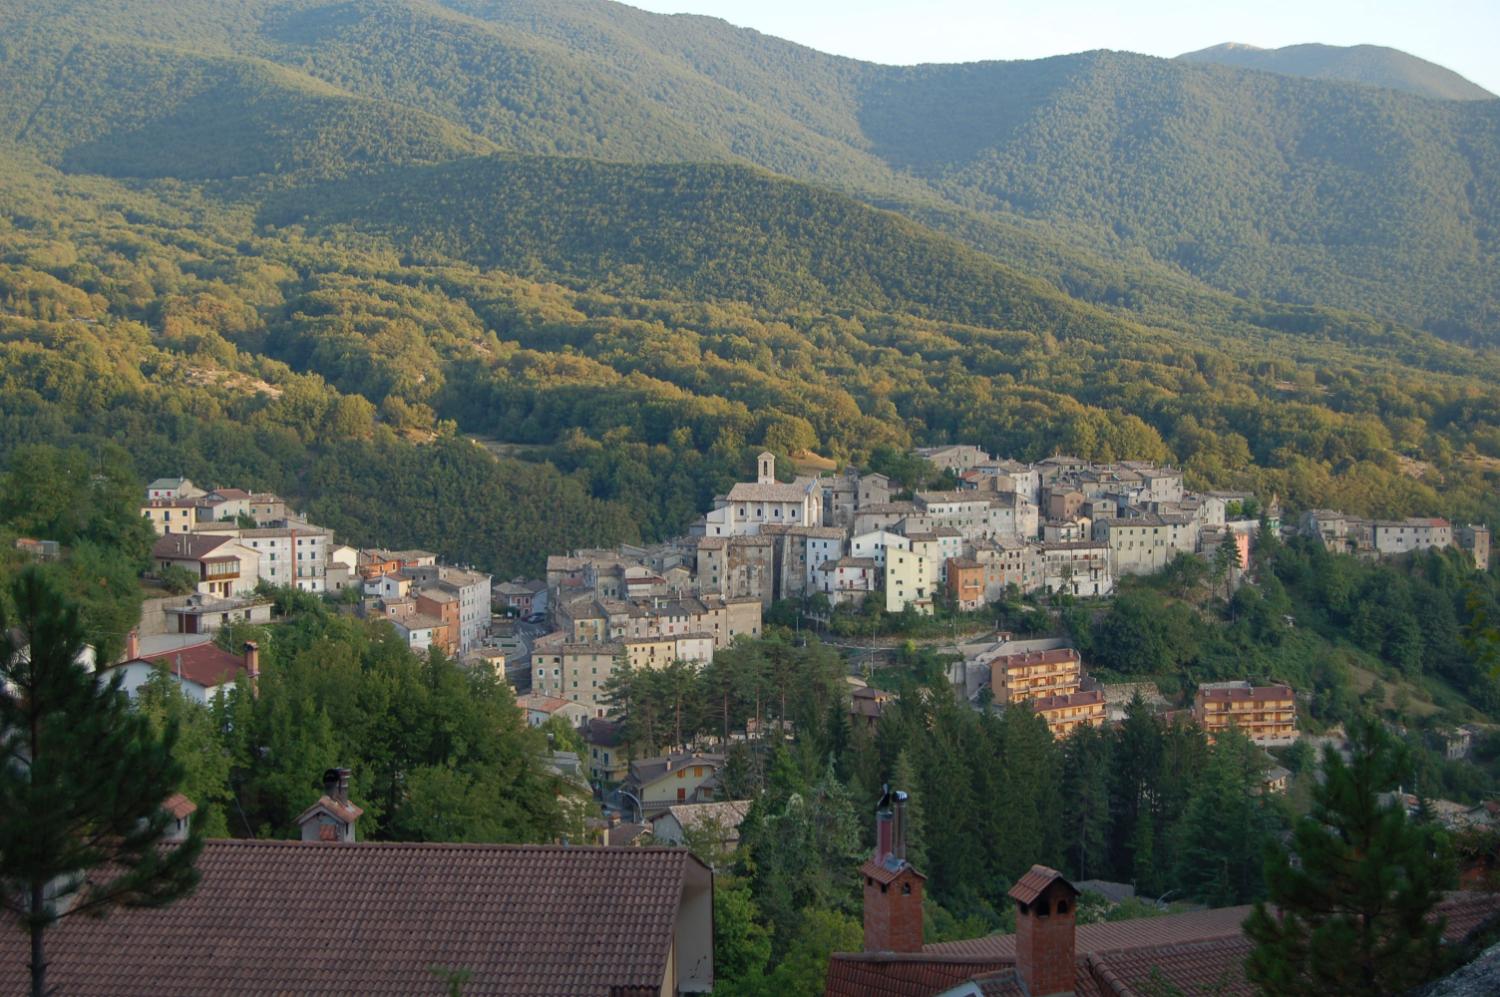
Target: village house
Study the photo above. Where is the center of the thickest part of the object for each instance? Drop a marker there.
(472, 590)
(224, 567)
(867, 703)
(720, 820)
(966, 584)
(1476, 540)
(909, 581)
(955, 457)
(1080, 568)
(737, 567)
(1406, 535)
(1265, 714)
(609, 762)
(539, 709)
(657, 783)
(796, 552)
(203, 614)
(849, 579)
(295, 554)
(172, 488)
(201, 670)
(174, 515)
(1147, 543)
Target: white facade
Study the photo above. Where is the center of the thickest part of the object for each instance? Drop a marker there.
(875, 544)
(766, 502)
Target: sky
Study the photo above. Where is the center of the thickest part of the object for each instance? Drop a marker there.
(1463, 35)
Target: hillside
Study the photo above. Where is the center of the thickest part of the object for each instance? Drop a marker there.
(312, 248)
(1177, 174)
(1371, 65)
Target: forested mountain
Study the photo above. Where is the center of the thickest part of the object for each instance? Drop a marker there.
(310, 247)
(1372, 65)
(1263, 186)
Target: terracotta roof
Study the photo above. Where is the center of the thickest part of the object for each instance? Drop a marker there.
(540, 703)
(626, 835)
(1241, 694)
(729, 814)
(778, 492)
(886, 974)
(188, 546)
(1036, 880)
(282, 917)
(887, 872)
(644, 771)
(1195, 952)
(1028, 658)
(1214, 966)
(1087, 697)
(1165, 930)
(202, 664)
(346, 812)
(179, 806)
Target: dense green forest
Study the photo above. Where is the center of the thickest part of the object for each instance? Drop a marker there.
(1268, 187)
(1372, 65)
(232, 246)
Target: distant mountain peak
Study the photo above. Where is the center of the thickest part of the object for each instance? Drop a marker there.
(1369, 65)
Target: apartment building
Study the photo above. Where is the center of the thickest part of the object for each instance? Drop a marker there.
(1266, 714)
(1065, 713)
(1035, 674)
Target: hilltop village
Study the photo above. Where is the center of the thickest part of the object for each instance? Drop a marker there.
(999, 529)
(1061, 532)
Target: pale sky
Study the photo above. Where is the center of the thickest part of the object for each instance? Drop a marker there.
(1463, 35)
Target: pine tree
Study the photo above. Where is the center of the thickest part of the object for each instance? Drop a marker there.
(1086, 789)
(1218, 839)
(82, 780)
(1354, 894)
(904, 778)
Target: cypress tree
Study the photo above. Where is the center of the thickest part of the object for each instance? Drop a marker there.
(82, 780)
(1352, 912)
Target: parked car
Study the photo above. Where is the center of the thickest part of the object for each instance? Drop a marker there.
(534, 618)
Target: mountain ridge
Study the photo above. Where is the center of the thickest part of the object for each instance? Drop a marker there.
(1369, 65)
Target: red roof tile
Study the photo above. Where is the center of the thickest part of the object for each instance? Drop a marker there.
(188, 546)
(885, 874)
(282, 917)
(179, 806)
(888, 974)
(1215, 966)
(203, 664)
(1165, 930)
(1036, 880)
(1193, 952)
(1260, 693)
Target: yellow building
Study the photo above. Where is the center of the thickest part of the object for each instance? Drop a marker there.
(658, 783)
(1014, 677)
(1065, 713)
(1266, 714)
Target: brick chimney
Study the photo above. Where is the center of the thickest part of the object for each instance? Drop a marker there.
(893, 889)
(333, 817)
(132, 645)
(252, 666)
(1045, 945)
